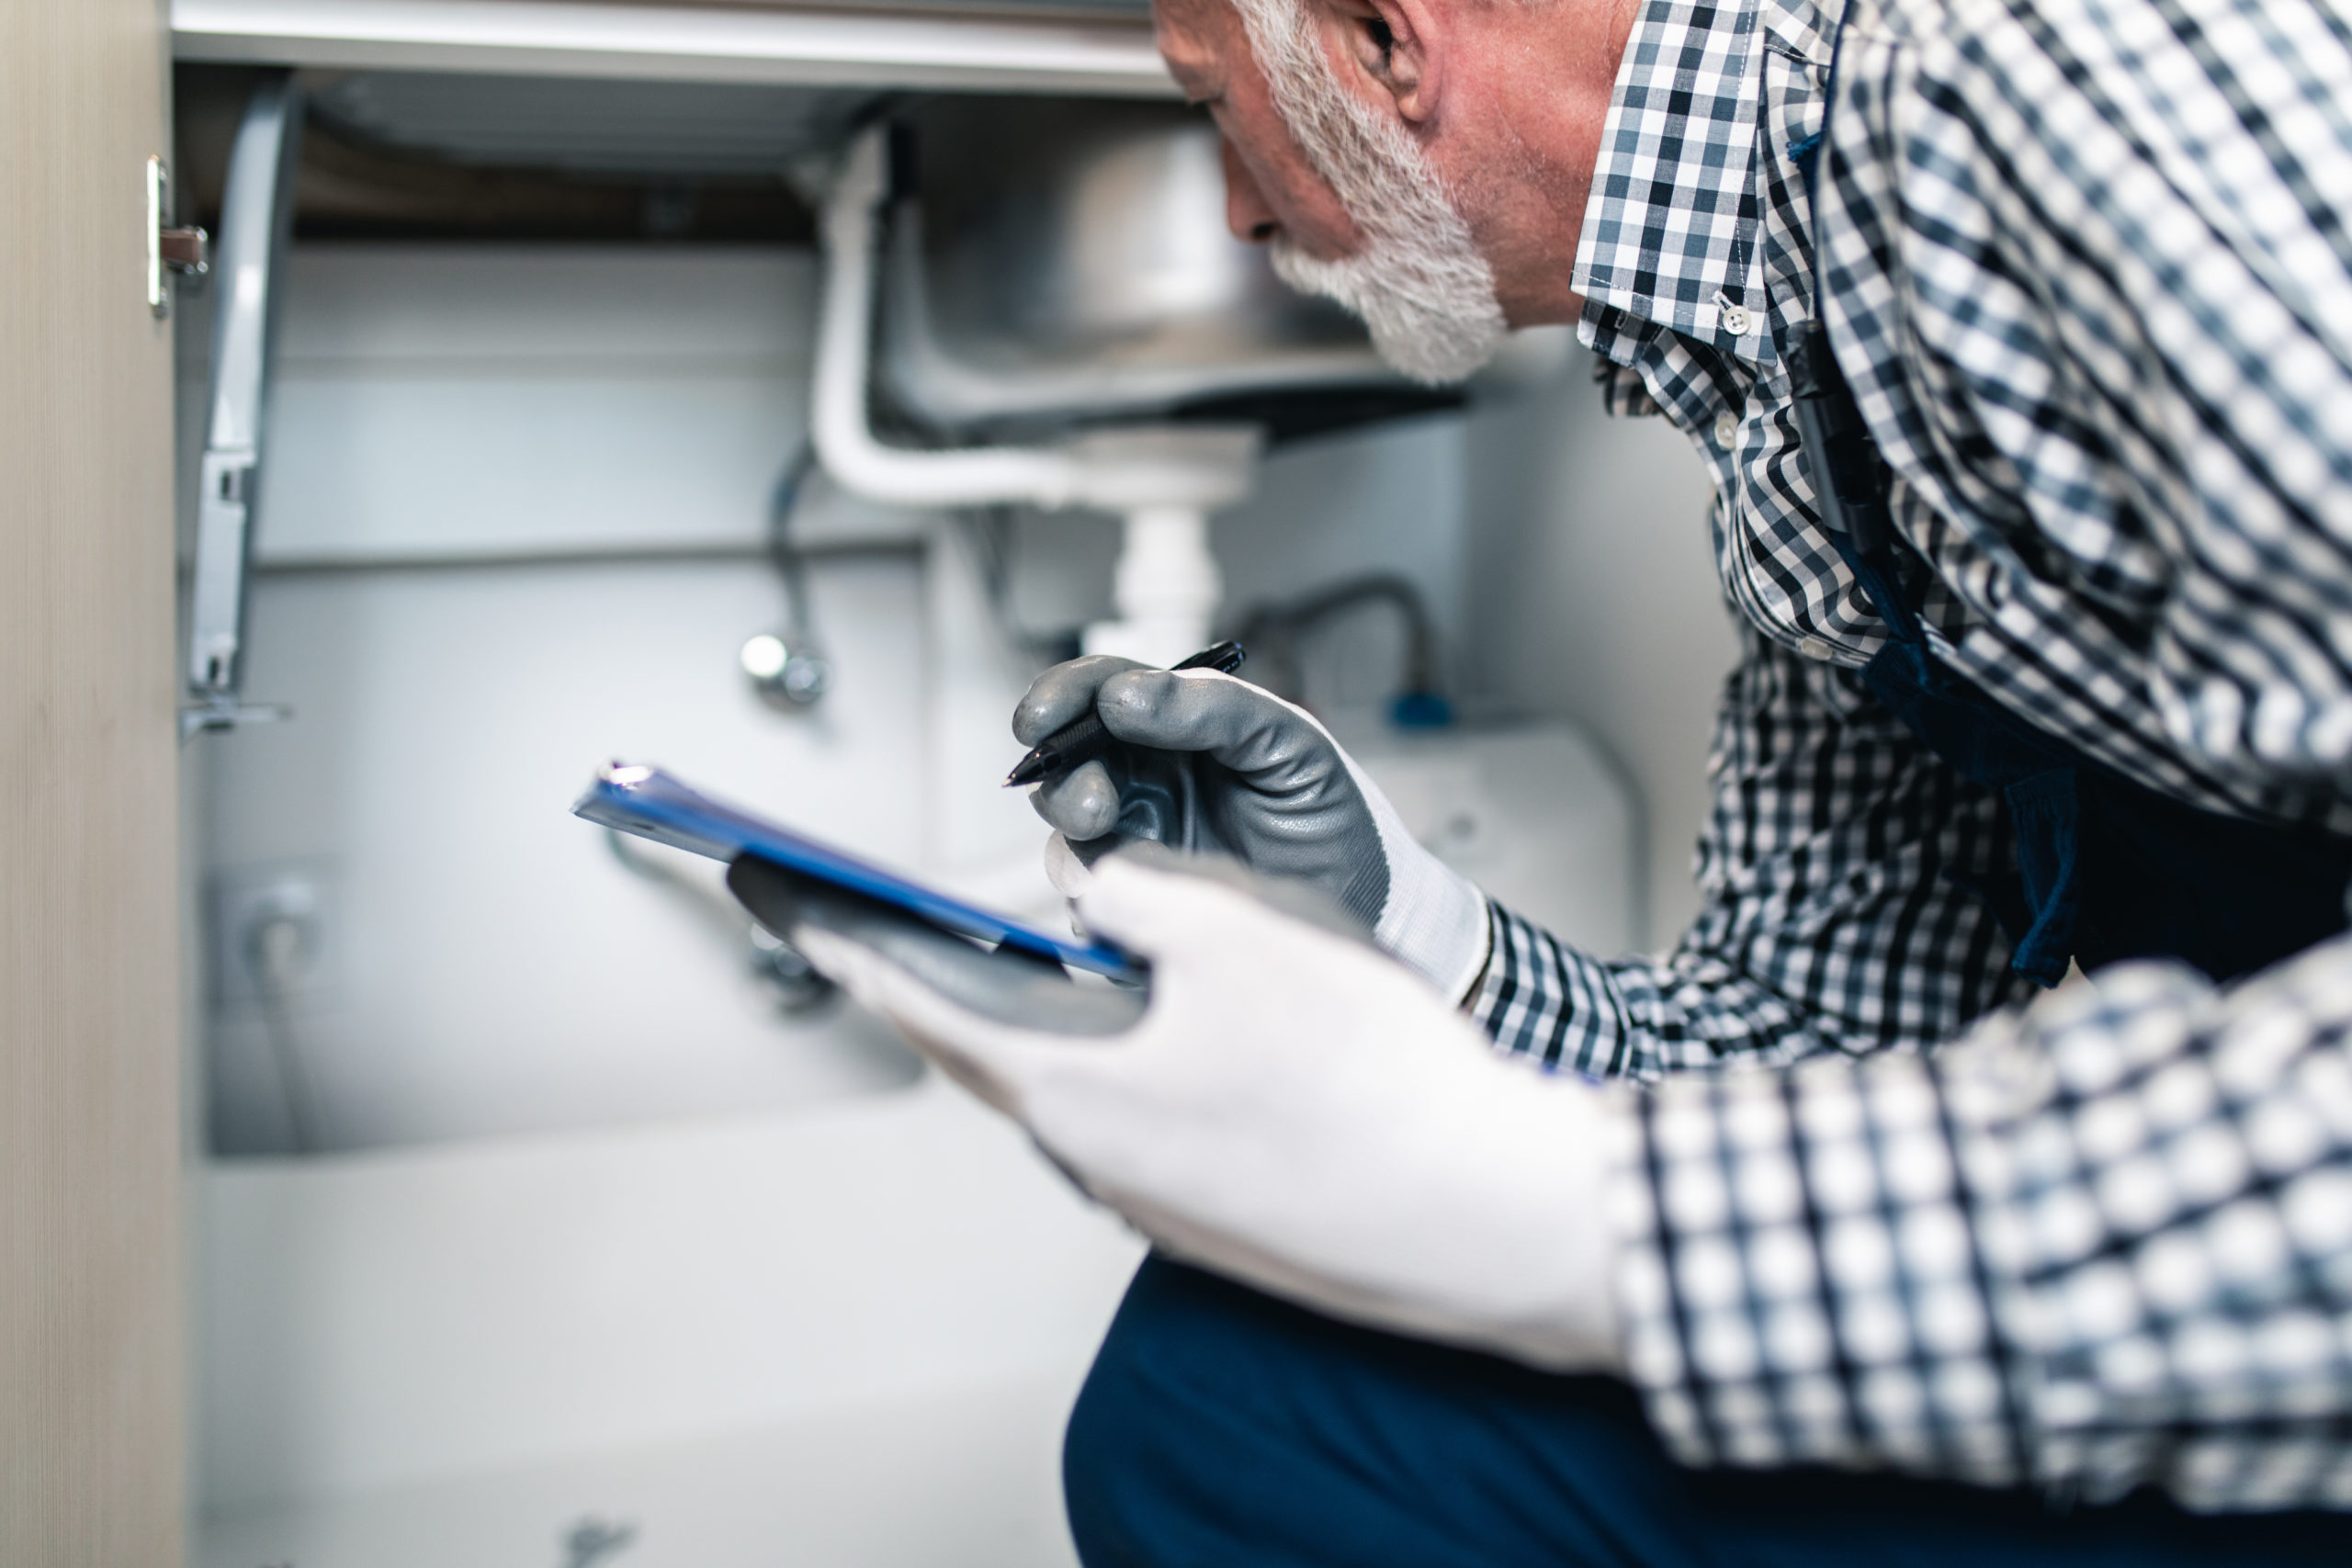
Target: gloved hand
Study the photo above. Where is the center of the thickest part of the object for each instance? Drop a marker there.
(1211, 763)
(1300, 1112)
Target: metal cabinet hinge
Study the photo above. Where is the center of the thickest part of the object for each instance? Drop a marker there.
(186, 253)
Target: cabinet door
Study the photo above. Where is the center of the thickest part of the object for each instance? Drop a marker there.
(91, 1427)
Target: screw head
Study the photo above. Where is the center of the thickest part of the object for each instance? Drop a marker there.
(764, 657)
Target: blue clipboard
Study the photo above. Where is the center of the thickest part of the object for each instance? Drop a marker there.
(651, 804)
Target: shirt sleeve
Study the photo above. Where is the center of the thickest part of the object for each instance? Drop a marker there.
(1840, 869)
(2089, 277)
(2102, 1243)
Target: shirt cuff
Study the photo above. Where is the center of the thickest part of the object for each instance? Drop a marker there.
(1435, 918)
(1800, 1280)
(1539, 998)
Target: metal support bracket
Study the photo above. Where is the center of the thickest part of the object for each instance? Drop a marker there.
(257, 214)
(183, 251)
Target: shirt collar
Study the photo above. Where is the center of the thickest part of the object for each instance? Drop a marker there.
(1673, 218)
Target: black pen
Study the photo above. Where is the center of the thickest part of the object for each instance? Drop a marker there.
(1084, 739)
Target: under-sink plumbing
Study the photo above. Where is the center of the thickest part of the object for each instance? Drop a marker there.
(593, 1539)
(274, 931)
(788, 667)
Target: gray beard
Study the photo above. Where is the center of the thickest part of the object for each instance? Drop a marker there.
(1432, 315)
(1417, 280)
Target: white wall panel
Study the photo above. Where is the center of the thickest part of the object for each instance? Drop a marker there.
(494, 967)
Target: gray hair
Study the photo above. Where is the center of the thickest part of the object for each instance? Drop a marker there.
(1419, 280)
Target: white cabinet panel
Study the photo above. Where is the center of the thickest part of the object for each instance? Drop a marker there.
(964, 48)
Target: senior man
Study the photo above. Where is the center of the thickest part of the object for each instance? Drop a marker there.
(2018, 336)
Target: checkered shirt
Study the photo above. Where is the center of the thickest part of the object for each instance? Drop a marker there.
(2088, 272)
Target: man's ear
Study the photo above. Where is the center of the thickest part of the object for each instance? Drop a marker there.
(1397, 46)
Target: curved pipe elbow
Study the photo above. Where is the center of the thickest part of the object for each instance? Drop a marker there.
(845, 440)
(975, 477)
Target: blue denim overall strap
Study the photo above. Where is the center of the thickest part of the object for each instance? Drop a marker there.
(2106, 868)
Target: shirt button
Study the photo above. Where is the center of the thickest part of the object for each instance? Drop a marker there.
(1726, 429)
(1813, 647)
(1736, 321)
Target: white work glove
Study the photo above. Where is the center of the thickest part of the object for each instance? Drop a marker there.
(1293, 1109)
(1212, 764)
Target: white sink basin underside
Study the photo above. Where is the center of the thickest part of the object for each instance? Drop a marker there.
(840, 1335)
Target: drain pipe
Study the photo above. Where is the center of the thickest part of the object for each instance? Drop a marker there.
(845, 444)
(1163, 480)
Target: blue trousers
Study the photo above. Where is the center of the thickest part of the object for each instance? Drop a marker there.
(1222, 1428)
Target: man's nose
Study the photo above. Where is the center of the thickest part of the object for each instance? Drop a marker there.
(1246, 212)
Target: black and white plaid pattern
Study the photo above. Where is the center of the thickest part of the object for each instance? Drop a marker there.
(2104, 1242)
(2088, 270)
(1836, 916)
(1686, 97)
(2100, 322)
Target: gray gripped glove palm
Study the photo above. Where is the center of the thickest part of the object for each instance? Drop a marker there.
(1210, 764)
